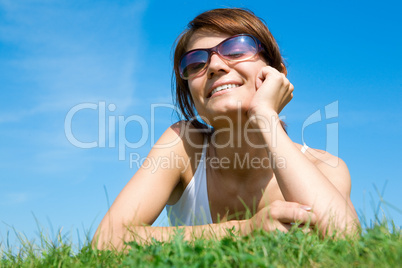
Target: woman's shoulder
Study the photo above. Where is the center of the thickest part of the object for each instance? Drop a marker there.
(333, 167)
(192, 137)
(183, 141)
(181, 133)
(190, 142)
(319, 157)
(189, 133)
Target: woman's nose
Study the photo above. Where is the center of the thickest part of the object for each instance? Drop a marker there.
(217, 65)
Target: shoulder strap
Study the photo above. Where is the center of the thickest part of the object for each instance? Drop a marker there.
(304, 148)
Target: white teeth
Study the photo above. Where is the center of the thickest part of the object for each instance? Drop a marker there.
(223, 87)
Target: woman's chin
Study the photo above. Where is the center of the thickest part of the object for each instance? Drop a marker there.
(227, 115)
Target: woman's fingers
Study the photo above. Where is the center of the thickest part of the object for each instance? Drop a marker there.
(291, 212)
(282, 215)
(274, 90)
(294, 215)
(285, 227)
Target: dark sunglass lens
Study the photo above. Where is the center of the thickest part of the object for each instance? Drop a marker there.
(193, 62)
(238, 48)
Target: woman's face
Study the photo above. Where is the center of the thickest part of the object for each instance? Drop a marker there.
(241, 76)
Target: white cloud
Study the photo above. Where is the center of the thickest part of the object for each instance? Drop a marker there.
(15, 198)
(60, 54)
(68, 55)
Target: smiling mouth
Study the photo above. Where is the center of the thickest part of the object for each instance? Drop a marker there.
(223, 87)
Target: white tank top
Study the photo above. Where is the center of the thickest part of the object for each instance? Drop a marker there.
(193, 206)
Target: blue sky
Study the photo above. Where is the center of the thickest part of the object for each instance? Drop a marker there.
(55, 55)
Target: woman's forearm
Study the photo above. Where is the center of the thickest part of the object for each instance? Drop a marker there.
(301, 181)
(115, 238)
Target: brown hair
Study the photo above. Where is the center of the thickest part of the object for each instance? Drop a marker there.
(230, 21)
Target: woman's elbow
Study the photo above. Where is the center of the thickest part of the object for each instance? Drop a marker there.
(107, 238)
(337, 227)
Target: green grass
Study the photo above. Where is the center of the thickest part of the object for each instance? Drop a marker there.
(378, 246)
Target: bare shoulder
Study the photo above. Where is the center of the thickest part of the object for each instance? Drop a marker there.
(192, 137)
(189, 138)
(185, 142)
(333, 167)
(181, 135)
(189, 147)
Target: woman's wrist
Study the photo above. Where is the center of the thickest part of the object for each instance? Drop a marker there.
(263, 118)
(244, 227)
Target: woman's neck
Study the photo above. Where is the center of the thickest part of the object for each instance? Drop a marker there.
(239, 151)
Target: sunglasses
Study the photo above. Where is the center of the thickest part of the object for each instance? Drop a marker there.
(239, 47)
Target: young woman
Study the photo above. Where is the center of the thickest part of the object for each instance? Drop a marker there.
(243, 171)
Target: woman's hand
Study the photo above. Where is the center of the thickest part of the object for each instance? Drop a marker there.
(281, 215)
(274, 91)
